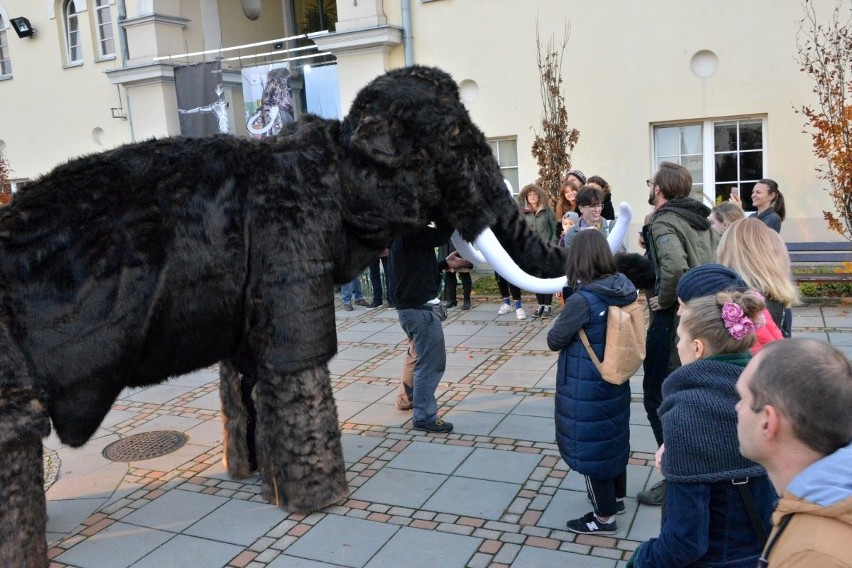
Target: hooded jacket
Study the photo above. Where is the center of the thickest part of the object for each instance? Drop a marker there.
(678, 238)
(592, 415)
(819, 533)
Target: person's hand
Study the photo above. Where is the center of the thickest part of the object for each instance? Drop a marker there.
(658, 458)
(456, 261)
(654, 303)
(735, 196)
(641, 240)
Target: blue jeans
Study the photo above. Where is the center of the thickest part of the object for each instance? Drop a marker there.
(350, 289)
(424, 328)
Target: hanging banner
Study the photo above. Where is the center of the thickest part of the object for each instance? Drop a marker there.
(201, 100)
(268, 98)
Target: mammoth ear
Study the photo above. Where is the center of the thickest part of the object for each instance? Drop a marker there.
(374, 138)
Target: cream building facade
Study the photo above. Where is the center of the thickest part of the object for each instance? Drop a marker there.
(711, 85)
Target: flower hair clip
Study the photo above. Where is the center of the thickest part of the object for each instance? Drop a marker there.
(737, 323)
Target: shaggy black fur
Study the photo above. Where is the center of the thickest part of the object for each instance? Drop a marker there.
(161, 257)
(637, 268)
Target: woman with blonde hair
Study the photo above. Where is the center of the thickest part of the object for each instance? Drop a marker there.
(724, 214)
(758, 254)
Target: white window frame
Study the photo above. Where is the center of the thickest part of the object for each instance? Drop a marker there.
(512, 170)
(705, 188)
(5, 57)
(71, 20)
(103, 28)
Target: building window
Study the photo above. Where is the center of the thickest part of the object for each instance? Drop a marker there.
(103, 23)
(506, 152)
(5, 61)
(314, 15)
(72, 33)
(720, 154)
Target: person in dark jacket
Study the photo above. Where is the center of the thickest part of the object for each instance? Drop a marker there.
(592, 415)
(415, 281)
(678, 237)
(718, 503)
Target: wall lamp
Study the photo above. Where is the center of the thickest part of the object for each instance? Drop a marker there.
(22, 27)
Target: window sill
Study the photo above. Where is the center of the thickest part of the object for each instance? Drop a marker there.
(105, 58)
(5, 77)
(73, 65)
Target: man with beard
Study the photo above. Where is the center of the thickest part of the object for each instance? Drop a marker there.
(678, 237)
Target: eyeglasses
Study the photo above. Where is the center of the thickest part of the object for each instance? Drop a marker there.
(598, 206)
(650, 182)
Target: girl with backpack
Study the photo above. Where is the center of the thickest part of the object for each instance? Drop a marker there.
(592, 415)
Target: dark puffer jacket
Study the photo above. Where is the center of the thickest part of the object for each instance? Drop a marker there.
(592, 416)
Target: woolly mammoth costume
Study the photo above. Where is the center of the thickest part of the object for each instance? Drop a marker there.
(157, 258)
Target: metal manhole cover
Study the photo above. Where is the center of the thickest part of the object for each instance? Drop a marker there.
(145, 446)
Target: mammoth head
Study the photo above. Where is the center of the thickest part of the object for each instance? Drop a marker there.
(410, 123)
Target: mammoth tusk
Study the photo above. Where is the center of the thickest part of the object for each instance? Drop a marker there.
(466, 249)
(500, 260)
(273, 114)
(622, 224)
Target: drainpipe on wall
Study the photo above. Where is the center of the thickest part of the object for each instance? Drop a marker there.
(406, 33)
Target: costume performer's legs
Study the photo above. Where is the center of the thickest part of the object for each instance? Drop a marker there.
(23, 423)
(298, 440)
(240, 421)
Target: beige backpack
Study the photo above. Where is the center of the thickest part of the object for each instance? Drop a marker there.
(625, 343)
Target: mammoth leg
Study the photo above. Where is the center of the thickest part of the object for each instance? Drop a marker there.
(23, 423)
(239, 421)
(298, 439)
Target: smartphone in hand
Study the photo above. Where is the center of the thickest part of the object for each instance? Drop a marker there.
(735, 193)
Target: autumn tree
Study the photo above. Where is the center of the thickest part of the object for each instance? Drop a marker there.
(825, 55)
(555, 141)
(5, 185)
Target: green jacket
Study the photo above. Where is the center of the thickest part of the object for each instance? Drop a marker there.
(678, 238)
(543, 223)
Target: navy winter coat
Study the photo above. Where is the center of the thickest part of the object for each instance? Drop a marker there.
(592, 416)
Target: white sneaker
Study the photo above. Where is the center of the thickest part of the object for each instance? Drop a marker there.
(504, 309)
(521, 314)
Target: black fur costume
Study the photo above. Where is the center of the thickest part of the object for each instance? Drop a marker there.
(157, 258)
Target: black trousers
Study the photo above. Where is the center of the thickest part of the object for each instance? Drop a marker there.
(660, 359)
(544, 299)
(376, 279)
(507, 288)
(605, 492)
(450, 282)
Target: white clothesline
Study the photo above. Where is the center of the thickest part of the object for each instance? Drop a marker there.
(246, 46)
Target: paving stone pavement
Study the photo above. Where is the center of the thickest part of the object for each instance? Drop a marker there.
(494, 493)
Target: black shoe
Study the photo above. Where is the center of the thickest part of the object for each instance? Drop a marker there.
(538, 312)
(361, 302)
(654, 496)
(452, 304)
(590, 524)
(545, 313)
(437, 426)
(347, 307)
(374, 304)
(466, 305)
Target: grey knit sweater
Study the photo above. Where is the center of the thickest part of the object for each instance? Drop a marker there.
(700, 422)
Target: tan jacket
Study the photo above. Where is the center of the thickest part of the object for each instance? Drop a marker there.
(819, 534)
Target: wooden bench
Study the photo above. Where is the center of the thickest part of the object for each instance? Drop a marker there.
(824, 254)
